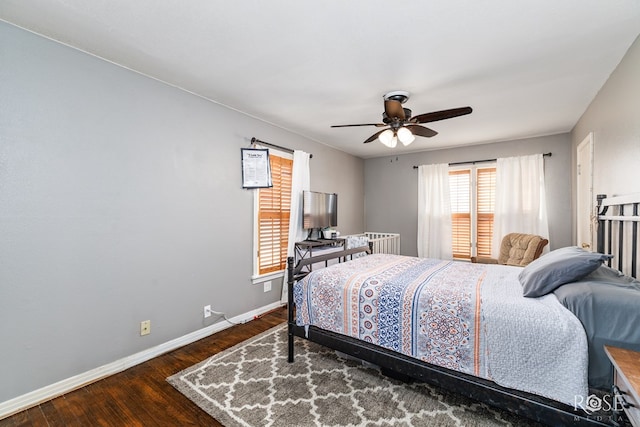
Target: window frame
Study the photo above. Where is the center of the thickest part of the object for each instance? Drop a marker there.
(473, 205)
(256, 277)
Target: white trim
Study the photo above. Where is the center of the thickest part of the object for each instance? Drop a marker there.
(28, 400)
(473, 192)
(584, 192)
(255, 280)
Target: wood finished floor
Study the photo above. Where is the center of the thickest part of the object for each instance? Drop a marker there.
(141, 396)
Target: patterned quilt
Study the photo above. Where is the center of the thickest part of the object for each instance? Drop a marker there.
(444, 312)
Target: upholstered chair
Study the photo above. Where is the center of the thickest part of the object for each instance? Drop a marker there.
(517, 249)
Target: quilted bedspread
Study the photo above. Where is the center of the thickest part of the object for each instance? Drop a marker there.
(467, 317)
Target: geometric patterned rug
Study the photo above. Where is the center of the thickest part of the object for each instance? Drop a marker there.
(252, 384)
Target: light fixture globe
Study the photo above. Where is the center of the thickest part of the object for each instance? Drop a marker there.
(394, 142)
(386, 137)
(397, 95)
(405, 136)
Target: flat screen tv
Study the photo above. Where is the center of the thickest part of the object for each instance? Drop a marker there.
(319, 210)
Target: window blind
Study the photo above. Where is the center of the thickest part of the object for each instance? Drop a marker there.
(486, 196)
(274, 207)
(460, 193)
(472, 211)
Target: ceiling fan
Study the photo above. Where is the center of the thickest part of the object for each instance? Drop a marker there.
(402, 126)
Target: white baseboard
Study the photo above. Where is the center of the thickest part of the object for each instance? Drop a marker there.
(51, 391)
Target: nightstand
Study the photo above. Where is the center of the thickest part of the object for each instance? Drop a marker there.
(626, 380)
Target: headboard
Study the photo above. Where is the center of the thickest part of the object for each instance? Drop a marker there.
(618, 231)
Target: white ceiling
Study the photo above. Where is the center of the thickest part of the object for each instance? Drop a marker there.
(528, 68)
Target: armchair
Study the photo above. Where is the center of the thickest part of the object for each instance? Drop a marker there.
(516, 249)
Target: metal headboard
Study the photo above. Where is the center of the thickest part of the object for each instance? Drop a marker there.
(618, 231)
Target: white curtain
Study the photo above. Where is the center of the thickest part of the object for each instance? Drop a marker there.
(434, 212)
(521, 205)
(300, 181)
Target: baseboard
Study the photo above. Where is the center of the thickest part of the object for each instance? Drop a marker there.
(51, 391)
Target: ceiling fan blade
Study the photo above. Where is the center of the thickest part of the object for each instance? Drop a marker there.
(421, 131)
(361, 124)
(441, 115)
(374, 136)
(394, 109)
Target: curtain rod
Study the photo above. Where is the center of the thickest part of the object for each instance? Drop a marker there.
(473, 162)
(288, 150)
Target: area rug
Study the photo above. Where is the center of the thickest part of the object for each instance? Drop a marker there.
(252, 384)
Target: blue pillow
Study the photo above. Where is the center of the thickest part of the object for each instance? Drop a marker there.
(556, 268)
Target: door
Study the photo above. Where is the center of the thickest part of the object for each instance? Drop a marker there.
(585, 204)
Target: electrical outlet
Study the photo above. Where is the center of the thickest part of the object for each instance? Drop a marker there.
(145, 327)
(267, 286)
(207, 311)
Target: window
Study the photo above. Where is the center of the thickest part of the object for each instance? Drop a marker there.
(472, 192)
(273, 209)
(460, 193)
(485, 207)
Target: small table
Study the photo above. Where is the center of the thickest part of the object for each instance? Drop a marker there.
(626, 380)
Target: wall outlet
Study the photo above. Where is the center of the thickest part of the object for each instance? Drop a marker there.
(207, 311)
(145, 327)
(267, 286)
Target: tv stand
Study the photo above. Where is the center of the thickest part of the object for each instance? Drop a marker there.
(313, 247)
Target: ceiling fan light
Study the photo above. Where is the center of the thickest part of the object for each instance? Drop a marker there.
(394, 142)
(405, 136)
(386, 137)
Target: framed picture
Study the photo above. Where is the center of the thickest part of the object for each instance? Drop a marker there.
(256, 169)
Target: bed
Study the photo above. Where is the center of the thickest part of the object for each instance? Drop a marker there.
(468, 328)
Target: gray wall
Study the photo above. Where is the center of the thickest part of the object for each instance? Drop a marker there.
(391, 189)
(614, 119)
(121, 201)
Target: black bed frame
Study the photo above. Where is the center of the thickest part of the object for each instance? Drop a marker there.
(613, 228)
(397, 365)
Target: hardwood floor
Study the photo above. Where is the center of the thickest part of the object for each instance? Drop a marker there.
(141, 396)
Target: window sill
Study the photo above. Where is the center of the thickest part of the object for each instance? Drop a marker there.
(257, 279)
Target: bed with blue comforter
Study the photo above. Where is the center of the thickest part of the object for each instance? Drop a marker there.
(533, 332)
(470, 318)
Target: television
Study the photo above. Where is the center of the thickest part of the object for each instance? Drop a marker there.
(319, 210)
